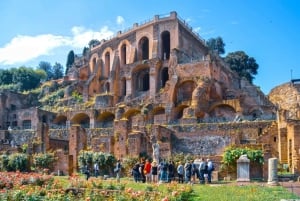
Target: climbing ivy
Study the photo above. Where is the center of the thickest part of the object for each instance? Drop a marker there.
(231, 154)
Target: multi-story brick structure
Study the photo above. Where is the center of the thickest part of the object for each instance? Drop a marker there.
(159, 83)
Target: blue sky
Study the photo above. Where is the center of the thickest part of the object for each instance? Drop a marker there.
(46, 30)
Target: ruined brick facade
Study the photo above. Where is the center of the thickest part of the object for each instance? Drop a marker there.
(159, 83)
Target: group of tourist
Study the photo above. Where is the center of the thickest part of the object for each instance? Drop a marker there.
(166, 171)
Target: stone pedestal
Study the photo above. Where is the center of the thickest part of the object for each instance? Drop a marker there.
(243, 169)
(272, 172)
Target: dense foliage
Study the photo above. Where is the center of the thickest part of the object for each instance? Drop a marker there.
(53, 72)
(70, 61)
(42, 161)
(14, 162)
(241, 63)
(105, 161)
(216, 45)
(231, 154)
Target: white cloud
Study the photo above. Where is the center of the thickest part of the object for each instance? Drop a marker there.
(120, 20)
(82, 36)
(24, 48)
(197, 29)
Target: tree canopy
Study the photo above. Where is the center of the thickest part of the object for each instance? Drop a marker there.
(216, 45)
(70, 60)
(241, 63)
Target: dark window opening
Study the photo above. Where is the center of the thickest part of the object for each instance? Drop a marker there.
(275, 139)
(145, 85)
(144, 48)
(107, 87)
(27, 124)
(123, 54)
(164, 76)
(107, 63)
(259, 131)
(165, 36)
(13, 107)
(94, 64)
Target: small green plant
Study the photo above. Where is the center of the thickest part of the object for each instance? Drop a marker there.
(231, 154)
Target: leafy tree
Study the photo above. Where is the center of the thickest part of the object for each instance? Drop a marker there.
(57, 71)
(70, 60)
(41, 161)
(241, 63)
(216, 45)
(94, 42)
(5, 77)
(85, 51)
(26, 78)
(46, 66)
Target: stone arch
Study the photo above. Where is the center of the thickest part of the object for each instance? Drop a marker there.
(131, 112)
(165, 45)
(184, 92)
(107, 58)
(124, 52)
(93, 62)
(178, 111)
(221, 110)
(141, 79)
(105, 119)
(163, 77)
(82, 119)
(60, 121)
(143, 48)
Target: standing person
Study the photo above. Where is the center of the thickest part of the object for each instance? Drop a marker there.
(180, 172)
(154, 172)
(202, 171)
(188, 171)
(171, 169)
(86, 172)
(210, 168)
(135, 172)
(118, 170)
(141, 171)
(164, 172)
(195, 172)
(96, 169)
(147, 171)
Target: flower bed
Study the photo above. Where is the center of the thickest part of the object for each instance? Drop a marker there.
(16, 186)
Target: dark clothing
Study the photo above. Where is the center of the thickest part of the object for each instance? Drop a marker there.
(154, 170)
(171, 170)
(142, 174)
(135, 172)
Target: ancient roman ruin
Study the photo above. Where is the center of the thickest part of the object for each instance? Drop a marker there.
(156, 83)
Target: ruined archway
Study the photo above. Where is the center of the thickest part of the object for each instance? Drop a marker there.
(184, 92)
(60, 121)
(141, 79)
(105, 120)
(221, 113)
(82, 119)
(143, 53)
(165, 45)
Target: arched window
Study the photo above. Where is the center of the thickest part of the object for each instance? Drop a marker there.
(123, 54)
(165, 49)
(144, 48)
(107, 63)
(164, 76)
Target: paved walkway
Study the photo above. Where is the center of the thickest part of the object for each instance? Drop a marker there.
(293, 187)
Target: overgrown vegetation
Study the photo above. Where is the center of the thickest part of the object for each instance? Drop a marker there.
(231, 154)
